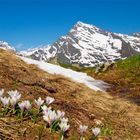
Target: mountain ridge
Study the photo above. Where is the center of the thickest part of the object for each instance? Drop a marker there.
(87, 45)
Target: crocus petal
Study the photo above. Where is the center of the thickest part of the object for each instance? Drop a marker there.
(13, 101)
(64, 120)
(25, 105)
(39, 102)
(50, 117)
(1, 92)
(82, 129)
(5, 101)
(14, 94)
(96, 131)
(60, 114)
(64, 126)
(49, 100)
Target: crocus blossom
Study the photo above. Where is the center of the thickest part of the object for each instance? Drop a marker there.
(45, 109)
(64, 126)
(13, 102)
(5, 100)
(60, 114)
(25, 105)
(49, 100)
(1, 92)
(14, 97)
(96, 131)
(50, 117)
(14, 94)
(64, 120)
(39, 102)
(82, 129)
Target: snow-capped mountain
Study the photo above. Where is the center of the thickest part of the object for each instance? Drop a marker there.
(87, 45)
(6, 46)
(38, 53)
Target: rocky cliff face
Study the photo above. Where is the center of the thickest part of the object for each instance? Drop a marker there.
(87, 46)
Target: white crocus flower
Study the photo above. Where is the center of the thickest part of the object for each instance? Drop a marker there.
(14, 97)
(64, 126)
(22, 106)
(96, 131)
(5, 100)
(39, 102)
(45, 109)
(49, 100)
(50, 117)
(82, 129)
(14, 94)
(1, 92)
(64, 120)
(60, 114)
(25, 105)
(13, 102)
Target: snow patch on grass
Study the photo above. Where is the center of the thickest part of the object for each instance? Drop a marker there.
(80, 77)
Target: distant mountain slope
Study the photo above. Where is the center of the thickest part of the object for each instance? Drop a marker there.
(136, 34)
(6, 46)
(87, 45)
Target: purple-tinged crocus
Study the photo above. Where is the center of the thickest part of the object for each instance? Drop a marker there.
(25, 105)
(49, 100)
(96, 131)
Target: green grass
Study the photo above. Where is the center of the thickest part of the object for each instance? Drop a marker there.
(78, 68)
(130, 67)
(130, 62)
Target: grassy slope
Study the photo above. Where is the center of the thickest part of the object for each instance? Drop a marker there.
(78, 101)
(125, 78)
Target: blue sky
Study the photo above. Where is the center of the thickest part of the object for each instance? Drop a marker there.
(30, 23)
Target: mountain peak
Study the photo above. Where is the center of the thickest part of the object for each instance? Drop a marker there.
(82, 24)
(87, 45)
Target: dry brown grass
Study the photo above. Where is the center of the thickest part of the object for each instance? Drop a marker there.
(81, 104)
(123, 86)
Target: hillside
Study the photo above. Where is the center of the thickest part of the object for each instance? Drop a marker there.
(81, 104)
(125, 78)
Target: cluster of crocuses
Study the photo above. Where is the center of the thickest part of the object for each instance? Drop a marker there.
(13, 99)
(96, 131)
(50, 116)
